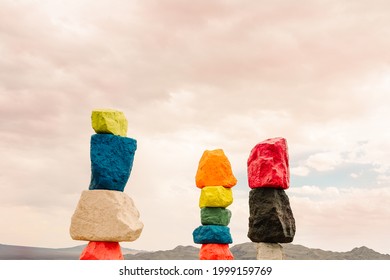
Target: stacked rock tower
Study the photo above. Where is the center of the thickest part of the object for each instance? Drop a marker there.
(105, 215)
(271, 220)
(215, 179)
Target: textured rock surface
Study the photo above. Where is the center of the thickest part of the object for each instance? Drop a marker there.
(109, 121)
(96, 250)
(215, 252)
(268, 164)
(215, 216)
(214, 170)
(111, 161)
(271, 219)
(269, 251)
(212, 234)
(103, 215)
(215, 196)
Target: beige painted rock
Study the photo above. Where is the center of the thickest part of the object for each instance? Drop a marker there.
(269, 251)
(104, 215)
(215, 196)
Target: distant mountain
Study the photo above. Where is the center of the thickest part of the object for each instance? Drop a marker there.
(299, 252)
(247, 251)
(244, 251)
(11, 252)
(178, 253)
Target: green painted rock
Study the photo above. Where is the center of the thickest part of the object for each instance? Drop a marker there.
(215, 216)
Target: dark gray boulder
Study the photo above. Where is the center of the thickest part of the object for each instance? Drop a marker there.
(271, 219)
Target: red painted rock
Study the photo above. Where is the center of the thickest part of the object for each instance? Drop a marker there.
(215, 252)
(98, 250)
(268, 165)
(214, 170)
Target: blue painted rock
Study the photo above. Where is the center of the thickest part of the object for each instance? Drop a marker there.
(212, 234)
(215, 216)
(111, 161)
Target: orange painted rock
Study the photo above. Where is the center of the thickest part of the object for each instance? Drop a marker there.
(214, 170)
(98, 250)
(215, 252)
(268, 165)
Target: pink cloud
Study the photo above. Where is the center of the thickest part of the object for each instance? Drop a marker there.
(188, 76)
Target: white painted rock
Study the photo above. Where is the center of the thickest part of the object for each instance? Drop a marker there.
(269, 251)
(104, 215)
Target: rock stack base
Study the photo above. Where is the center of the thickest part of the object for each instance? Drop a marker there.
(96, 250)
(215, 252)
(269, 251)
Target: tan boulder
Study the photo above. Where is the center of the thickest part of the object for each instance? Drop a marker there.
(269, 251)
(104, 215)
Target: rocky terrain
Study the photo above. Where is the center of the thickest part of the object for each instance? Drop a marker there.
(244, 251)
(247, 251)
(11, 252)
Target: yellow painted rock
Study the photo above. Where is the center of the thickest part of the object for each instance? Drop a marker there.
(215, 196)
(109, 122)
(214, 170)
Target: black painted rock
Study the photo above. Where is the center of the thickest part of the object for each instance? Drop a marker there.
(271, 219)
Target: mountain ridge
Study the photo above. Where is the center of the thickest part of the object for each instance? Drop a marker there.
(247, 251)
(244, 251)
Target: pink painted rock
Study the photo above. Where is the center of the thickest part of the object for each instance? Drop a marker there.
(101, 250)
(268, 165)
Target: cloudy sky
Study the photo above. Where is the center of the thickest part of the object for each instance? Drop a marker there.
(191, 76)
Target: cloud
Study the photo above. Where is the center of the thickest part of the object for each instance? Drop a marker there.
(300, 171)
(354, 175)
(324, 161)
(341, 219)
(188, 77)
